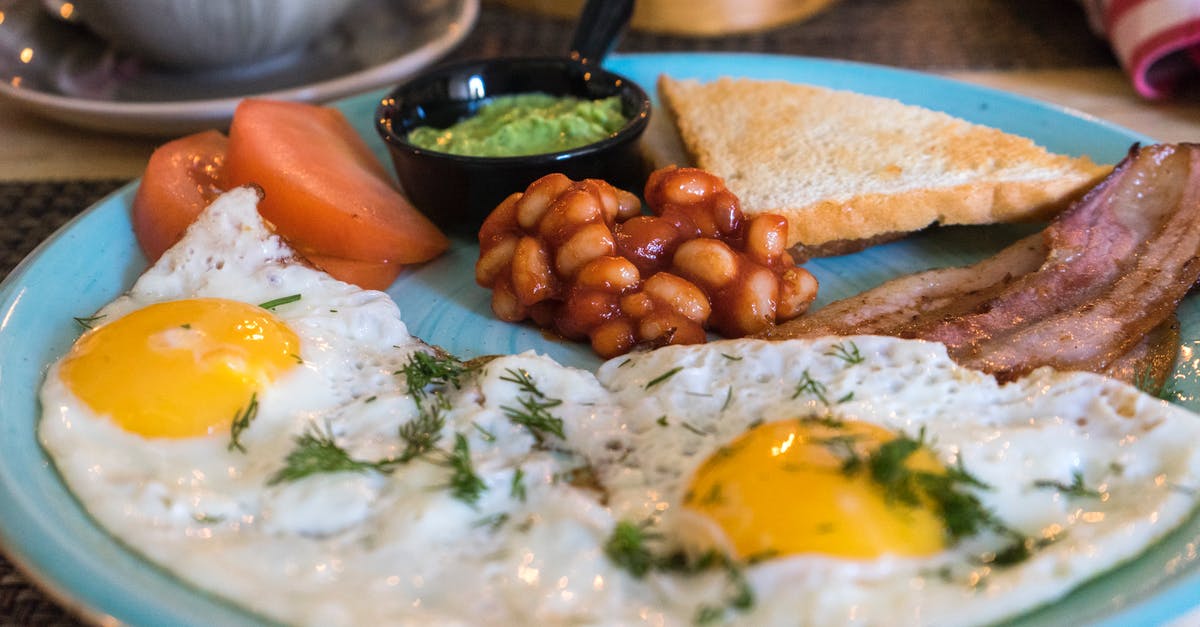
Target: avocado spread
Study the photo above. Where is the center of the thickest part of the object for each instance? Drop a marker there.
(525, 124)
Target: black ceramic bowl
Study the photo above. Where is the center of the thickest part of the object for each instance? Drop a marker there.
(458, 192)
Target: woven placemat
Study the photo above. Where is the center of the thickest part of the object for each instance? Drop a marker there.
(920, 34)
(29, 213)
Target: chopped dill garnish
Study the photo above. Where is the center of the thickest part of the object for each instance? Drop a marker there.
(1021, 549)
(185, 326)
(487, 436)
(849, 396)
(421, 434)
(847, 352)
(241, 421)
(692, 428)
(842, 447)
(277, 302)
(662, 420)
(624, 363)
(88, 322)
(961, 512)
(370, 399)
(628, 547)
(424, 370)
(728, 398)
(316, 452)
(521, 377)
(808, 385)
(533, 416)
(464, 484)
(662, 377)
(517, 489)
(731, 357)
(493, 522)
(1075, 488)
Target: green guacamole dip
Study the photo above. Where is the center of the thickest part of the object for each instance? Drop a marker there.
(525, 124)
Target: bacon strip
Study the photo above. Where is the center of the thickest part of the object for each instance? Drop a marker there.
(1081, 295)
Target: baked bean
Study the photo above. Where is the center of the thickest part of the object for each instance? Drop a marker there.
(501, 222)
(664, 328)
(750, 302)
(532, 279)
(611, 274)
(766, 238)
(504, 302)
(637, 305)
(537, 198)
(680, 186)
(588, 243)
(797, 290)
(628, 205)
(681, 295)
(613, 338)
(726, 212)
(575, 207)
(585, 309)
(581, 259)
(494, 260)
(648, 242)
(709, 263)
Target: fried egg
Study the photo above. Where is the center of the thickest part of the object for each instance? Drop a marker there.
(795, 458)
(278, 438)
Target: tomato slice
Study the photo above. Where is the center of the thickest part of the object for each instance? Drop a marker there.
(325, 191)
(181, 179)
(369, 275)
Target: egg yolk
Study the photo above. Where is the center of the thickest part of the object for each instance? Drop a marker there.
(784, 488)
(182, 368)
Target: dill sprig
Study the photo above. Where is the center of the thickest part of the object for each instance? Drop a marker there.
(424, 370)
(663, 377)
(277, 302)
(1075, 488)
(628, 547)
(87, 322)
(809, 385)
(241, 421)
(533, 416)
(421, 434)
(521, 377)
(961, 512)
(464, 484)
(317, 451)
(847, 352)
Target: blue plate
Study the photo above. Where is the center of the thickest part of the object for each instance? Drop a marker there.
(94, 258)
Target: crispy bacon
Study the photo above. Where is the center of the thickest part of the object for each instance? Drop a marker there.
(1096, 290)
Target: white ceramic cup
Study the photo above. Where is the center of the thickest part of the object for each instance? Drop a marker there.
(205, 34)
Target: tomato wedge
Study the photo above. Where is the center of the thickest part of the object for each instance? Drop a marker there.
(182, 177)
(370, 275)
(325, 191)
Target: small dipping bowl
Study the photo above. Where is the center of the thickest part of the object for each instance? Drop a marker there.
(457, 192)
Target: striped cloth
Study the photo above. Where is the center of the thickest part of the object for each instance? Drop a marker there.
(1157, 41)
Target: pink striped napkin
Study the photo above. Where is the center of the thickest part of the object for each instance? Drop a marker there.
(1157, 41)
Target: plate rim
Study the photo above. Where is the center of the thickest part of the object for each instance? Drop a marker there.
(179, 112)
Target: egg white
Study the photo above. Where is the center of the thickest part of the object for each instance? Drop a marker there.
(377, 548)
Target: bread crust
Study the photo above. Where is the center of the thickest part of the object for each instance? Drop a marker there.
(845, 167)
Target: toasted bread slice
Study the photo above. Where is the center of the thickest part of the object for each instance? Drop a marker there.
(850, 170)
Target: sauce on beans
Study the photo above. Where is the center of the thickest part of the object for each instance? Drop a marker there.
(579, 257)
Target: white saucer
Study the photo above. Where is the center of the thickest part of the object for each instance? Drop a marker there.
(72, 76)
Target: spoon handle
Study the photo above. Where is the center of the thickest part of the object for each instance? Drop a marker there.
(600, 25)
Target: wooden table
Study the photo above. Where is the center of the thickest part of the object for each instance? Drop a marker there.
(1032, 47)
